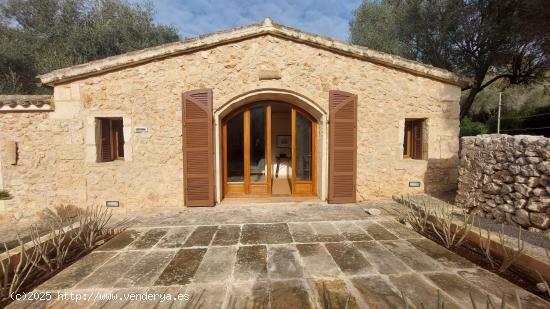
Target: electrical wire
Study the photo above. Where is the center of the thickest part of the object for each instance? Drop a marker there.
(524, 129)
(532, 116)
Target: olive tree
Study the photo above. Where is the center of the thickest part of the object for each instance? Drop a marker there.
(486, 40)
(37, 36)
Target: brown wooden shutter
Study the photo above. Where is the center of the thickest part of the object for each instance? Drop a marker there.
(418, 139)
(342, 147)
(106, 147)
(198, 145)
(98, 140)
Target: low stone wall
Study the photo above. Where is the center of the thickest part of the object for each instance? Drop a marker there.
(507, 178)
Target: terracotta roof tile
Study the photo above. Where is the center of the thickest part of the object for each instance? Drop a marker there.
(25, 103)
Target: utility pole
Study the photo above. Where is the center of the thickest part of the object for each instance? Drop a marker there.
(499, 106)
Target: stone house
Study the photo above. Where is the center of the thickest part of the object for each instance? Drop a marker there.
(258, 111)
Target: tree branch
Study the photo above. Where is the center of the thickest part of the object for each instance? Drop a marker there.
(494, 79)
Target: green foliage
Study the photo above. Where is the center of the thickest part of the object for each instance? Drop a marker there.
(514, 98)
(471, 128)
(375, 25)
(38, 36)
(528, 121)
(502, 39)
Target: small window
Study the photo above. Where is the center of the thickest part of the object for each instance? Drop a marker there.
(413, 140)
(110, 139)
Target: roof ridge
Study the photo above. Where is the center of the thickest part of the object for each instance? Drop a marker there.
(268, 27)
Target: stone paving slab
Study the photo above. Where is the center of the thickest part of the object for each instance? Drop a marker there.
(414, 258)
(283, 262)
(420, 292)
(334, 294)
(201, 236)
(351, 232)
(217, 265)
(458, 288)
(366, 261)
(377, 292)
(254, 213)
(251, 263)
(147, 270)
(182, 268)
(382, 259)
(277, 233)
(302, 232)
(175, 237)
(399, 229)
(376, 231)
(110, 272)
(227, 235)
(249, 295)
(121, 240)
(210, 295)
(318, 263)
(349, 258)
(441, 254)
(76, 272)
(148, 240)
(290, 294)
(327, 232)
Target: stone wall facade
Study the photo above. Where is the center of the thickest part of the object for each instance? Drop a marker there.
(57, 149)
(507, 178)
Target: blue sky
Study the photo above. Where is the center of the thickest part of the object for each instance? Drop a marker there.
(196, 17)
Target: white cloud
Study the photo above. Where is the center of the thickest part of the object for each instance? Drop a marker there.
(197, 17)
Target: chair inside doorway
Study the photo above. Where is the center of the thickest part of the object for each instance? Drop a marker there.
(281, 133)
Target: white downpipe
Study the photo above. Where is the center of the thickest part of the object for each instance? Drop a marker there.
(499, 108)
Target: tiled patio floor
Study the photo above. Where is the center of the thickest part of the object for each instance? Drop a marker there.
(295, 257)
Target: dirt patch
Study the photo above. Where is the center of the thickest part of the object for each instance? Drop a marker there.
(534, 238)
(474, 254)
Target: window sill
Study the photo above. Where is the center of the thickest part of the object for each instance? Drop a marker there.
(115, 162)
(414, 160)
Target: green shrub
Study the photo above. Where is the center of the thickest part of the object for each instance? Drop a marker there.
(531, 121)
(471, 128)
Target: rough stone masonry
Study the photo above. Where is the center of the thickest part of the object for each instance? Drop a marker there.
(57, 146)
(507, 178)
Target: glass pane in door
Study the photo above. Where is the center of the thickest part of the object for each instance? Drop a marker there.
(235, 149)
(303, 148)
(258, 164)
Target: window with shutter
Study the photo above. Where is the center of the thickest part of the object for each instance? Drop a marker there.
(109, 139)
(413, 139)
(342, 147)
(198, 148)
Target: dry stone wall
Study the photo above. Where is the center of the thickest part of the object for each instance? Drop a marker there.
(507, 178)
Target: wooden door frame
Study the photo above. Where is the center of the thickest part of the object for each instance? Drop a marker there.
(259, 189)
(247, 188)
(244, 190)
(300, 187)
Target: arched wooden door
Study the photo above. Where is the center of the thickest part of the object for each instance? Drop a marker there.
(253, 150)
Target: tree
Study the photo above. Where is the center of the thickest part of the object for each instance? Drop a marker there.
(38, 36)
(487, 40)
